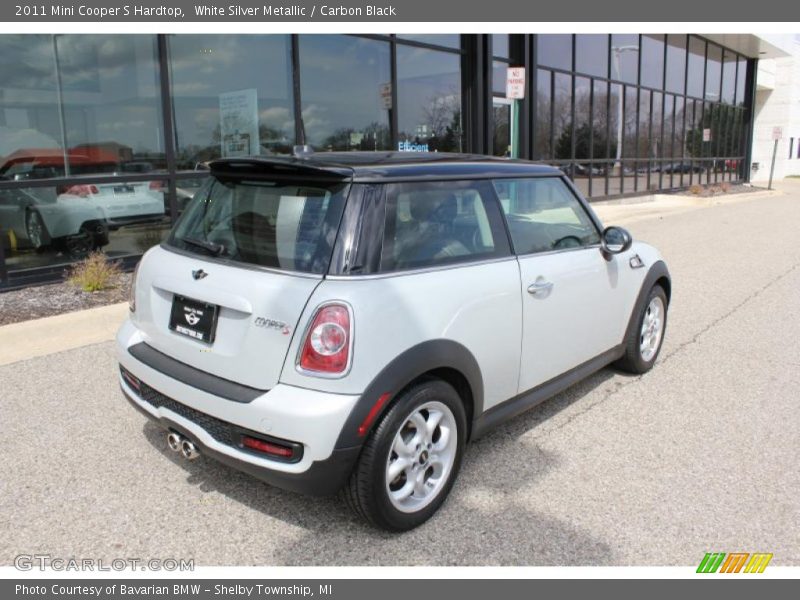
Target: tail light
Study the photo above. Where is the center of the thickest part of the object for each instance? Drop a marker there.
(82, 190)
(326, 347)
(157, 185)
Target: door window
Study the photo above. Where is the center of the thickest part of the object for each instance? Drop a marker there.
(544, 215)
(430, 224)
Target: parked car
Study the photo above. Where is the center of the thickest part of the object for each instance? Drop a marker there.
(349, 321)
(582, 170)
(74, 217)
(40, 219)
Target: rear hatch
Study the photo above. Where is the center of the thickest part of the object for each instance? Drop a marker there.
(225, 293)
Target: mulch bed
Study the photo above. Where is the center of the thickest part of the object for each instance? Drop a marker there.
(58, 298)
(715, 190)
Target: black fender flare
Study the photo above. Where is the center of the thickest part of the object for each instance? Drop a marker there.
(658, 270)
(405, 368)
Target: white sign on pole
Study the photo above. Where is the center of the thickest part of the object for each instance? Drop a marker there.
(238, 123)
(385, 91)
(706, 135)
(777, 134)
(515, 83)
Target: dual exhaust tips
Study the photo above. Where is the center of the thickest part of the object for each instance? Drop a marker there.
(178, 443)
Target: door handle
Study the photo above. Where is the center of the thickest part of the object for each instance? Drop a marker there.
(540, 287)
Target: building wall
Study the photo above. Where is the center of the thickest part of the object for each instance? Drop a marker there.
(777, 104)
(105, 138)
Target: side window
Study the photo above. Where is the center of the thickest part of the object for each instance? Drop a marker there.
(543, 215)
(433, 223)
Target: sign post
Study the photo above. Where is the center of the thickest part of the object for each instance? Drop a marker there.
(515, 91)
(777, 135)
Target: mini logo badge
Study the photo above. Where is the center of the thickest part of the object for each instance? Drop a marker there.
(192, 317)
(199, 274)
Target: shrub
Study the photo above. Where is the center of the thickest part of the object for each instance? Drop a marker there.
(94, 273)
(696, 189)
(725, 186)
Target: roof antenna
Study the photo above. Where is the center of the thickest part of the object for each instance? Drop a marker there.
(303, 149)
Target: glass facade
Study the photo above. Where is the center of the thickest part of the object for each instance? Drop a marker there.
(104, 139)
(669, 112)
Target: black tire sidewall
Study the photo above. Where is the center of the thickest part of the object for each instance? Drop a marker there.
(641, 364)
(383, 436)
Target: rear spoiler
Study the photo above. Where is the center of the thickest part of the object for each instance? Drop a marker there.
(278, 168)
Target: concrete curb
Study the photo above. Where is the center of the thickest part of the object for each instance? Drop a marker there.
(40, 337)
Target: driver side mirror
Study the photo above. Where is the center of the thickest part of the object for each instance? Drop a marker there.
(615, 240)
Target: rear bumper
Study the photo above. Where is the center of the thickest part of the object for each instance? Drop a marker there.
(310, 418)
(322, 478)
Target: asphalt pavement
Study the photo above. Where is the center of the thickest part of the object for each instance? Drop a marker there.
(699, 455)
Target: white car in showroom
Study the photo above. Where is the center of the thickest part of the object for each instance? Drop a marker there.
(349, 321)
(80, 216)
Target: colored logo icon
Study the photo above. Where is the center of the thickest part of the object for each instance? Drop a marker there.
(734, 562)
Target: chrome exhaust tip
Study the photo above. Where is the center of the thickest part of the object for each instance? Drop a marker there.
(189, 450)
(174, 441)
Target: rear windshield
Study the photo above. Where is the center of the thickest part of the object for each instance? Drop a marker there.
(281, 225)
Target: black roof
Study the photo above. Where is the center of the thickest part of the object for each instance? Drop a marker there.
(371, 166)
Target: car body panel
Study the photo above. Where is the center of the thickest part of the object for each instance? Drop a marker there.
(475, 305)
(242, 351)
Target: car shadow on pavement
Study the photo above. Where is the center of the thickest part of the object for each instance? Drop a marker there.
(489, 518)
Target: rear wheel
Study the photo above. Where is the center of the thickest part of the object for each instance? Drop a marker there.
(36, 230)
(80, 244)
(409, 463)
(646, 337)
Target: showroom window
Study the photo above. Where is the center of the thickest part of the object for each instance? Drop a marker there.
(676, 63)
(429, 99)
(625, 58)
(555, 51)
(697, 58)
(448, 40)
(103, 140)
(231, 96)
(109, 119)
(653, 61)
(591, 54)
(341, 79)
(31, 136)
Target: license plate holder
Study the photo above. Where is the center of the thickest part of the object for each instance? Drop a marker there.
(194, 319)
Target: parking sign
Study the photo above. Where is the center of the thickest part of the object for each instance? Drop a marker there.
(515, 83)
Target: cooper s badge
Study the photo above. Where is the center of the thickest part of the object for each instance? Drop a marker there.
(272, 324)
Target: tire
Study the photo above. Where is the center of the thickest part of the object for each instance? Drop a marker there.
(36, 230)
(639, 356)
(79, 246)
(371, 495)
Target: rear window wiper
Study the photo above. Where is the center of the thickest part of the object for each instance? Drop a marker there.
(211, 247)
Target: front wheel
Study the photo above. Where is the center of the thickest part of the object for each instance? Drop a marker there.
(410, 461)
(647, 335)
